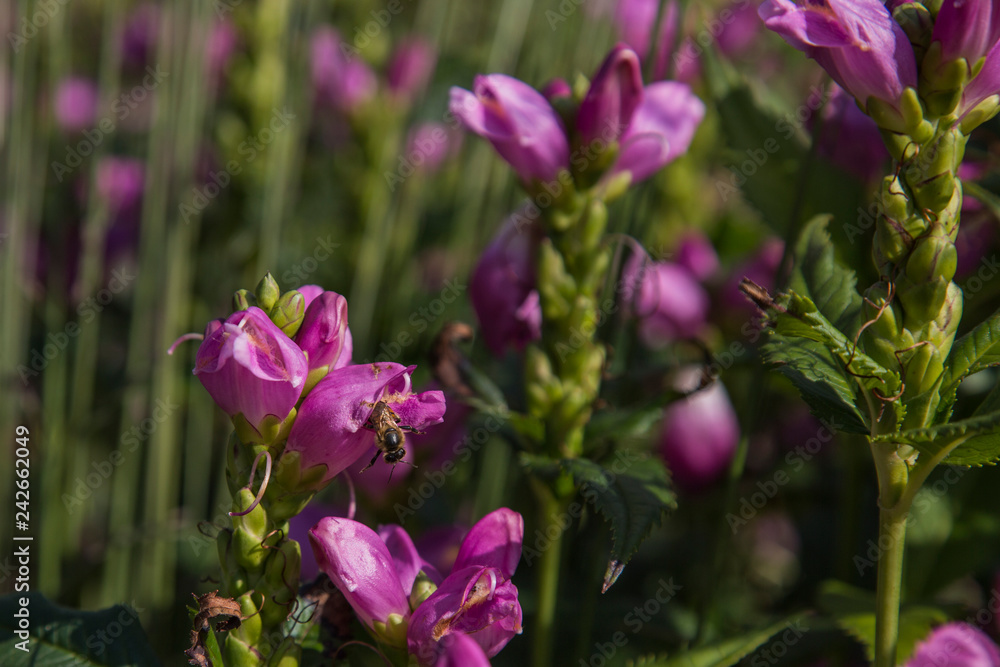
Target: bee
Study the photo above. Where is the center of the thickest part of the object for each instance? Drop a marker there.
(389, 436)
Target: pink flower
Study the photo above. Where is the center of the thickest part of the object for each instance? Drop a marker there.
(700, 434)
(410, 68)
(519, 122)
(956, 645)
(323, 335)
(856, 41)
(251, 368)
(502, 288)
(329, 429)
(76, 104)
(340, 82)
(666, 298)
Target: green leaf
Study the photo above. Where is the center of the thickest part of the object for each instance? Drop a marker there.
(819, 379)
(797, 316)
(970, 442)
(633, 500)
(728, 652)
(59, 636)
(769, 160)
(818, 275)
(853, 610)
(973, 352)
(619, 425)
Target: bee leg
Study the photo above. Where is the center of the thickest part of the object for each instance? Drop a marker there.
(372, 462)
(369, 425)
(409, 429)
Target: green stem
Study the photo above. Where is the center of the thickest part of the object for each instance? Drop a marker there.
(551, 509)
(892, 532)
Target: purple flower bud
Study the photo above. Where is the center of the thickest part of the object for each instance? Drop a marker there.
(120, 182)
(323, 333)
(410, 68)
(140, 35)
(668, 301)
(250, 367)
(967, 29)
(519, 122)
(76, 102)
(697, 254)
(614, 94)
(405, 558)
(329, 428)
(360, 566)
(700, 433)
(339, 82)
(556, 88)
(850, 139)
(956, 645)
(856, 41)
(661, 129)
(502, 287)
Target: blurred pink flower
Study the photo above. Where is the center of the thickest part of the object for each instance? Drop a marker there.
(411, 68)
(338, 81)
(223, 38)
(851, 139)
(140, 35)
(502, 287)
(120, 182)
(76, 101)
(697, 254)
(666, 298)
(699, 434)
(430, 144)
(956, 645)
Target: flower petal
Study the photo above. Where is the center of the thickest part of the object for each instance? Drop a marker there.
(495, 541)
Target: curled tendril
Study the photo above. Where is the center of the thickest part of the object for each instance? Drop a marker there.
(263, 484)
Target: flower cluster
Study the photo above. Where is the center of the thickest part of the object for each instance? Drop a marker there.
(462, 618)
(619, 127)
(285, 374)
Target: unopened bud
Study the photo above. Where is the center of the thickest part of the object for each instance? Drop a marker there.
(288, 312)
(267, 293)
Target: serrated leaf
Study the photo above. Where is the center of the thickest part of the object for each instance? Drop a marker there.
(633, 501)
(60, 636)
(728, 652)
(796, 316)
(853, 609)
(970, 442)
(819, 379)
(818, 275)
(973, 352)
